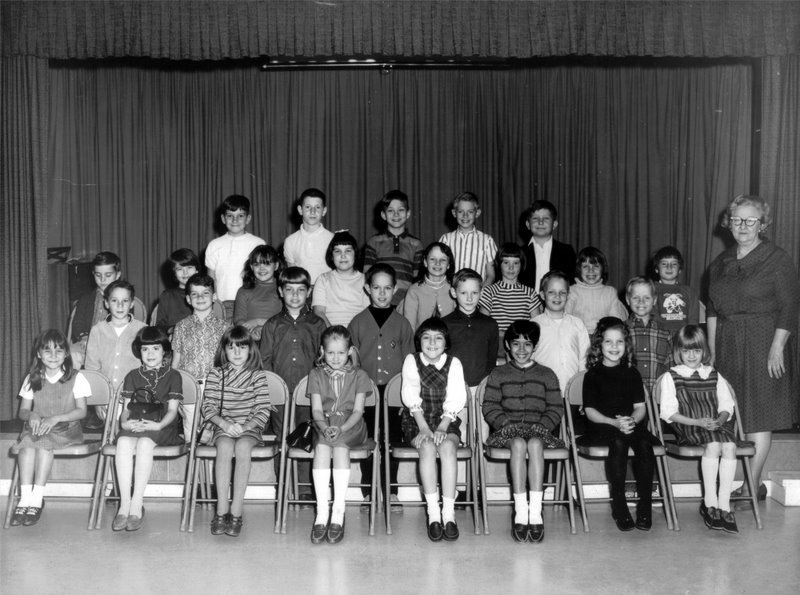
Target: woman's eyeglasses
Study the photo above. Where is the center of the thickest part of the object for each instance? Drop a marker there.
(749, 222)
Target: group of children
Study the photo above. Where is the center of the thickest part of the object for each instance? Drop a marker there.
(429, 313)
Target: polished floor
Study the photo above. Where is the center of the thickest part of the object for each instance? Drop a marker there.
(60, 556)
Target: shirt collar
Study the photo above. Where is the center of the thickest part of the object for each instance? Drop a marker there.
(685, 371)
(438, 364)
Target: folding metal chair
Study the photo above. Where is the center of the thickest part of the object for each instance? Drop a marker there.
(191, 391)
(562, 493)
(744, 451)
(101, 393)
(293, 455)
(467, 452)
(270, 448)
(575, 396)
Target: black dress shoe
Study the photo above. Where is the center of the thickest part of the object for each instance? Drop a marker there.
(435, 531)
(535, 533)
(519, 532)
(450, 531)
(318, 533)
(335, 532)
(234, 527)
(644, 521)
(219, 523)
(19, 516)
(624, 522)
(32, 515)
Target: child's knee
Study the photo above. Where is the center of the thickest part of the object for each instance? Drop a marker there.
(728, 450)
(244, 447)
(535, 447)
(517, 446)
(712, 449)
(447, 449)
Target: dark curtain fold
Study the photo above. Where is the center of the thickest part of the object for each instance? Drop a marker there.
(23, 225)
(209, 30)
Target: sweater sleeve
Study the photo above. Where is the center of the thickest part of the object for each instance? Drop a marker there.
(211, 394)
(554, 409)
(261, 408)
(492, 408)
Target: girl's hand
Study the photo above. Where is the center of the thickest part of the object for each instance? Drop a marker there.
(45, 425)
(709, 423)
(439, 436)
(422, 438)
(626, 424)
(147, 425)
(34, 421)
(234, 429)
(775, 365)
(129, 425)
(331, 433)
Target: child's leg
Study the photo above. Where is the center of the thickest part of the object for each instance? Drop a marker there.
(709, 466)
(123, 461)
(518, 449)
(449, 463)
(321, 476)
(241, 473)
(644, 465)
(616, 468)
(535, 449)
(427, 474)
(341, 477)
(222, 472)
(26, 459)
(44, 462)
(727, 470)
(141, 472)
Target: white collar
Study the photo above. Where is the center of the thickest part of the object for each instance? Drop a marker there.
(437, 364)
(685, 371)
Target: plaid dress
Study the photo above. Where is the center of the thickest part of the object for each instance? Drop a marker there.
(433, 390)
(697, 397)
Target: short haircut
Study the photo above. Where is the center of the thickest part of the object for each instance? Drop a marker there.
(119, 284)
(539, 205)
(466, 197)
(435, 325)
(510, 250)
(451, 261)
(236, 202)
(666, 252)
(595, 356)
(294, 275)
(151, 335)
(466, 274)
(199, 280)
(107, 259)
(393, 195)
(384, 268)
(752, 201)
(525, 329)
(238, 335)
(592, 255)
(639, 280)
(313, 192)
(340, 238)
(259, 254)
(549, 276)
(183, 257)
(690, 336)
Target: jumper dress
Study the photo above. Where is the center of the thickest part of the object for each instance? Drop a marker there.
(433, 390)
(698, 398)
(53, 399)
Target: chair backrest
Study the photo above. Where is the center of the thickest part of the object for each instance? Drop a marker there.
(481, 428)
(392, 392)
(574, 391)
(191, 390)
(278, 391)
(154, 315)
(100, 385)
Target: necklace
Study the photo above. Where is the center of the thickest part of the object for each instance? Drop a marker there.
(436, 284)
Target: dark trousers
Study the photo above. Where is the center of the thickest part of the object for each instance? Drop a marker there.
(276, 421)
(395, 435)
(643, 464)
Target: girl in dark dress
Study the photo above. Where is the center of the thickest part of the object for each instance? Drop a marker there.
(613, 399)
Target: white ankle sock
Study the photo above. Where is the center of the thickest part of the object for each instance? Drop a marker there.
(434, 513)
(535, 510)
(709, 467)
(37, 495)
(341, 477)
(321, 479)
(727, 470)
(521, 508)
(25, 495)
(448, 510)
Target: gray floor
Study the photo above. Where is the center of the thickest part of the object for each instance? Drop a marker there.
(60, 556)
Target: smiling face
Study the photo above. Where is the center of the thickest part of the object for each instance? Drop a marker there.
(521, 350)
(692, 358)
(467, 295)
(541, 224)
(510, 267)
(641, 300)
(183, 273)
(152, 356)
(613, 347)
(237, 354)
(119, 304)
(396, 216)
(52, 357)
(200, 298)
(465, 213)
(432, 345)
(591, 273)
(555, 295)
(436, 264)
(236, 221)
(344, 258)
(336, 352)
(381, 290)
(747, 237)
(104, 274)
(668, 270)
(264, 271)
(312, 210)
(294, 296)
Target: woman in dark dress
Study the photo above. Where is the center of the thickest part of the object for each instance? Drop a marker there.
(752, 313)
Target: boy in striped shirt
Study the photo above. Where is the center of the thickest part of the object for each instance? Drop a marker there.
(471, 248)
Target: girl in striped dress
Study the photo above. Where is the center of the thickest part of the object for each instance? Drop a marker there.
(236, 400)
(434, 392)
(697, 401)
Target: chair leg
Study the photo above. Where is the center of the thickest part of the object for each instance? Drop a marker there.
(565, 465)
(387, 479)
(484, 480)
(472, 472)
(579, 489)
(663, 488)
(187, 495)
(12, 494)
(103, 487)
(95, 491)
(286, 480)
(193, 495)
(671, 495)
(748, 475)
(373, 489)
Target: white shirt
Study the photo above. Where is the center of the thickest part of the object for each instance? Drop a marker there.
(542, 254)
(80, 390)
(307, 249)
(669, 399)
(562, 347)
(456, 398)
(226, 256)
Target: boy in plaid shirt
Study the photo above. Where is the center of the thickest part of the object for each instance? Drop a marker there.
(652, 344)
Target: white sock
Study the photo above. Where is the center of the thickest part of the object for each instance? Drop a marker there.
(25, 495)
(341, 477)
(709, 467)
(322, 479)
(37, 495)
(521, 509)
(448, 510)
(535, 510)
(727, 470)
(434, 514)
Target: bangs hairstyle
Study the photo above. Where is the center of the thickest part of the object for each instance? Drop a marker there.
(549, 276)
(435, 325)
(340, 238)
(748, 201)
(199, 280)
(451, 262)
(640, 281)
(260, 254)
(592, 255)
(394, 195)
(36, 370)
(294, 275)
(236, 202)
(690, 336)
(337, 331)
(383, 268)
(466, 197)
(521, 329)
(183, 257)
(595, 356)
(238, 335)
(151, 335)
(661, 254)
(466, 274)
(510, 250)
(119, 284)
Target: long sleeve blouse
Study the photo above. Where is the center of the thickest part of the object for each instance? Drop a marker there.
(456, 398)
